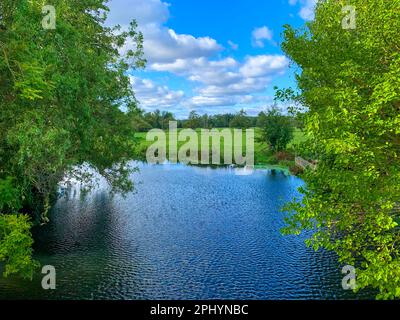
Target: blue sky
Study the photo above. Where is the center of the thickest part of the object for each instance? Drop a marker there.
(212, 56)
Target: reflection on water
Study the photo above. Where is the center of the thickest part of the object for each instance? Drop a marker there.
(186, 233)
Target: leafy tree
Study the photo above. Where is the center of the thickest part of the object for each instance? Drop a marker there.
(240, 120)
(277, 129)
(153, 118)
(61, 96)
(166, 117)
(221, 120)
(139, 122)
(261, 119)
(205, 121)
(349, 79)
(194, 120)
(158, 119)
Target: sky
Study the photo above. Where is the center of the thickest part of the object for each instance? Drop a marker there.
(211, 56)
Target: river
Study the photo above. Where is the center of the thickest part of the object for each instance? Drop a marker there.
(185, 233)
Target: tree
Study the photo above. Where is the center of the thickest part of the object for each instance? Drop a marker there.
(240, 120)
(194, 121)
(62, 92)
(139, 123)
(277, 129)
(205, 121)
(221, 120)
(166, 117)
(350, 83)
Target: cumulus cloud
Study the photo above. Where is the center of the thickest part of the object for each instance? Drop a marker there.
(153, 96)
(226, 81)
(165, 45)
(225, 70)
(161, 44)
(260, 35)
(307, 8)
(260, 66)
(243, 87)
(201, 69)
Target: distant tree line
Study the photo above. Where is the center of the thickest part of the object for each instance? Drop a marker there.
(157, 119)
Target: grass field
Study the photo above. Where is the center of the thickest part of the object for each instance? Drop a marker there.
(263, 155)
(298, 138)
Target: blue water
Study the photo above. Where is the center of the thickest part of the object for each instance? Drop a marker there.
(185, 233)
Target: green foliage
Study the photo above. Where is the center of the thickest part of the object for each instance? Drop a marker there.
(220, 120)
(194, 121)
(277, 129)
(9, 195)
(240, 121)
(16, 245)
(62, 93)
(349, 80)
(15, 236)
(157, 120)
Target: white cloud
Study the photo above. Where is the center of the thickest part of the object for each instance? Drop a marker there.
(260, 66)
(153, 96)
(243, 87)
(165, 45)
(307, 8)
(226, 70)
(161, 44)
(226, 81)
(260, 35)
(202, 70)
(188, 67)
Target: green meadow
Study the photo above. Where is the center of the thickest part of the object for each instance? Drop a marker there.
(263, 155)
